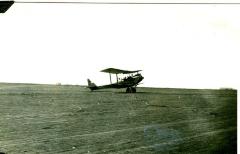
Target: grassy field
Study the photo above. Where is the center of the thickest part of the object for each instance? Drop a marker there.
(71, 119)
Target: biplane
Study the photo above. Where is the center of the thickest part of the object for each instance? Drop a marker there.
(130, 81)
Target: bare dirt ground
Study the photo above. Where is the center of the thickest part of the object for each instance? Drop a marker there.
(71, 119)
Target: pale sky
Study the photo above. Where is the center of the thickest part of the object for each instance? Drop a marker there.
(177, 46)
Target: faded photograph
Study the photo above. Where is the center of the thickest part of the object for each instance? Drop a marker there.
(134, 77)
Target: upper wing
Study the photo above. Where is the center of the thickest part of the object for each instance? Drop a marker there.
(118, 71)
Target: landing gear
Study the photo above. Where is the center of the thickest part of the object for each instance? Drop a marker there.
(134, 90)
(131, 90)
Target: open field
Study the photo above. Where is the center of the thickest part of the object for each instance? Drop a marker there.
(70, 119)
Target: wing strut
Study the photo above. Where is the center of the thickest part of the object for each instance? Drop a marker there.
(110, 78)
(117, 78)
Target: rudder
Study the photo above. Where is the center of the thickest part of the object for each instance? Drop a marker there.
(91, 85)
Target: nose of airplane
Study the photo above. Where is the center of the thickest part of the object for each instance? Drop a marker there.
(141, 78)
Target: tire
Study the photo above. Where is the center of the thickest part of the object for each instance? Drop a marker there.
(134, 90)
(131, 90)
(128, 90)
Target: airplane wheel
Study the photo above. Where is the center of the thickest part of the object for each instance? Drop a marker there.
(131, 90)
(128, 90)
(134, 90)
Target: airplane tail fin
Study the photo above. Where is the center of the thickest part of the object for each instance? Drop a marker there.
(91, 85)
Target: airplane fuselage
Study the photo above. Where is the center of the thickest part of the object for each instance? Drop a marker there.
(130, 81)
